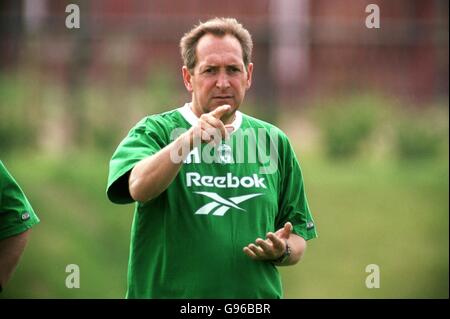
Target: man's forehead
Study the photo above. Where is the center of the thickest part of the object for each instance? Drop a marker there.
(218, 50)
(221, 59)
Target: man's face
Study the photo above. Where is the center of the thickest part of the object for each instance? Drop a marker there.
(220, 76)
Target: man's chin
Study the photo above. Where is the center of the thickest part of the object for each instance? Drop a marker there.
(215, 104)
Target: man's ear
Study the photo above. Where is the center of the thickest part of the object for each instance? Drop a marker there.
(187, 78)
(249, 75)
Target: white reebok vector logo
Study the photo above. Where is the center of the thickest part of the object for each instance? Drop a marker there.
(225, 204)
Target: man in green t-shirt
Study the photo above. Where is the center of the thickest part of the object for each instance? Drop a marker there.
(220, 201)
(16, 219)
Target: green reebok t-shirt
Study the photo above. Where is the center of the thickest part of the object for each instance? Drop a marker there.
(16, 213)
(188, 242)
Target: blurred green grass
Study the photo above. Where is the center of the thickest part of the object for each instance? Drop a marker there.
(78, 226)
(393, 214)
(390, 213)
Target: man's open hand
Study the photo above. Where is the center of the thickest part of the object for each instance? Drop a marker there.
(272, 247)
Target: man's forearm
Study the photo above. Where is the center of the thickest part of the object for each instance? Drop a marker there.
(11, 248)
(152, 175)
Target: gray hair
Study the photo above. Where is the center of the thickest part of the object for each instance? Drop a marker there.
(218, 27)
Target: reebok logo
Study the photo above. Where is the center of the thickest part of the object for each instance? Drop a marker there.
(223, 204)
(228, 181)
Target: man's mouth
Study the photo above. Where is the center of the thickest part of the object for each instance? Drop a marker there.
(222, 97)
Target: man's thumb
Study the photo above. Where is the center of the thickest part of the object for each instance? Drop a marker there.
(287, 229)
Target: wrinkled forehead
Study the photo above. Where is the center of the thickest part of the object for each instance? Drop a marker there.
(213, 49)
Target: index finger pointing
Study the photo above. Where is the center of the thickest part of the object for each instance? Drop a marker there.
(220, 111)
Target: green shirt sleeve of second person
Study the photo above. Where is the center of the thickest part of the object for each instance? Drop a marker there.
(16, 213)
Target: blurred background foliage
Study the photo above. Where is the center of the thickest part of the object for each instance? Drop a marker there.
(376, 178)
(374, 159)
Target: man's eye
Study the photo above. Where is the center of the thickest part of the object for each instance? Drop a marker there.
(209, 71)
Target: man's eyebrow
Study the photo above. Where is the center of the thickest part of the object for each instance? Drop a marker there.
(217, 66)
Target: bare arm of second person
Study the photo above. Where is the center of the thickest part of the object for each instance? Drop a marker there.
(11, 249)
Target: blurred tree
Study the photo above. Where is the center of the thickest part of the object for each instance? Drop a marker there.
(78, 65)
(11, 29)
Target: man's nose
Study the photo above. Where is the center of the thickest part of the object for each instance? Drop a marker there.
(222, 81)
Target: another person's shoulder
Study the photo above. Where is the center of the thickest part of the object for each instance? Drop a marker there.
(3, 169)
(5, 175)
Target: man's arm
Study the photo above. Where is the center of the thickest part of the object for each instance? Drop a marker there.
(152, 175)
(275, 246)
(298, 246)
(11, 248)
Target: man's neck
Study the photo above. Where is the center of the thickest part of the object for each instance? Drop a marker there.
(228, 118)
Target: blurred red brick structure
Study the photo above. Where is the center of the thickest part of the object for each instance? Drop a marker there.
(302, 47)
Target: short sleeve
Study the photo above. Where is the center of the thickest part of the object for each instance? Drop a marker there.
(293, 204)
(144, 140)
(16, 213)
